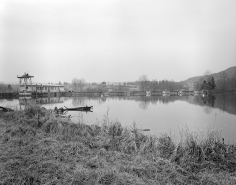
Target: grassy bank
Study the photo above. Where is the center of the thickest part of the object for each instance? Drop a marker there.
(37, 148)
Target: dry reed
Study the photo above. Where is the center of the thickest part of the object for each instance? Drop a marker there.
(37, 148)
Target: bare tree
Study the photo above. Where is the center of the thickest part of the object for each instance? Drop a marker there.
(74, 85)
(232, 82)
(78, 84)
(79, 101)
(3, 87)
(197, 84)
(154, 85)
(207, 75)
(9, 87)
(223, 80)
(143, 80)
(144, 103)
(207, 72)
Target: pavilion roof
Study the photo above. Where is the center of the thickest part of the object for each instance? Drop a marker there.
(26, 75)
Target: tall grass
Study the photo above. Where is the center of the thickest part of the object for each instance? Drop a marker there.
(198, 151)
(38, 148)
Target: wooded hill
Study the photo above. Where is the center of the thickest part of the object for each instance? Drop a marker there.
(229, 73)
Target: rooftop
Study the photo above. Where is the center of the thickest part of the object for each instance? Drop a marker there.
(26, 75)
(48, 85)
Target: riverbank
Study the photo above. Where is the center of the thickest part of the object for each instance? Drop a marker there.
(37, 148)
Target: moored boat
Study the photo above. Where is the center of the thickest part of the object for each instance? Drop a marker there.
(65, 110)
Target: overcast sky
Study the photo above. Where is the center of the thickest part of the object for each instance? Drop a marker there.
(115, 40)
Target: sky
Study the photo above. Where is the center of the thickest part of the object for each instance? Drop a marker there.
(115, 40)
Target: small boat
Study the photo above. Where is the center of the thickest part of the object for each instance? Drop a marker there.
(66, 109)
(136, 130)
(4, 109)
(86, 108)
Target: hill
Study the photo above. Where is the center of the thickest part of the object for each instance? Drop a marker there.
(229, 73)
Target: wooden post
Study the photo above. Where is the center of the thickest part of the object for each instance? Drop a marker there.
(36, 92)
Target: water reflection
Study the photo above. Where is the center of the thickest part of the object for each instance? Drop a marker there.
(78, 101)
(144, 105)
(208, 103)
(41, 100)
(102, 100)
(224, 102)
(209, 100)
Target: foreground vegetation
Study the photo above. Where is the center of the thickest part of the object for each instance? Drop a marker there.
(37, 148)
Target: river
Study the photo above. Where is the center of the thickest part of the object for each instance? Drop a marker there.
(160, 114)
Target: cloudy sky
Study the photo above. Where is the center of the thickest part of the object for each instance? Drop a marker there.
(115, 40)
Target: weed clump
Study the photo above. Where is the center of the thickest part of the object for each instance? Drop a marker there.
(165, 146)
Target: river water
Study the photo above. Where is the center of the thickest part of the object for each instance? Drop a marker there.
(160, 114)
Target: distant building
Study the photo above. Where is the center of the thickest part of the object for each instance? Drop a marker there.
(44, 88)
(27, 87)
(130, 83)
(48, 88)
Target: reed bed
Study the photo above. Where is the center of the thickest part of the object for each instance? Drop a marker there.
(38, 148)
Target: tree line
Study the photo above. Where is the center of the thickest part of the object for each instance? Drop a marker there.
(207, 82)
(144, 84)
(155, 85)
(78, 85)
(8, 87)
